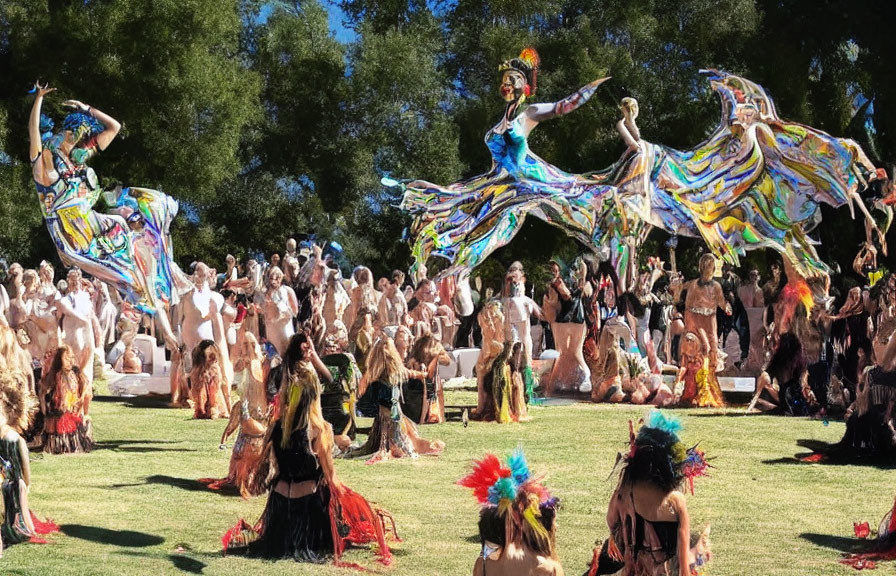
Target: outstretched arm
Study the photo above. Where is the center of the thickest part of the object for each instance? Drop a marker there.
(35, 146)
(546, 111)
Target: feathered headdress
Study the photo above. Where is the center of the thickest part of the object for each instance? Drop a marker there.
(658, 455)
(527, 64)
(510, 487)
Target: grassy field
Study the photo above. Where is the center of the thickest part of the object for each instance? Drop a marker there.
(133, 506)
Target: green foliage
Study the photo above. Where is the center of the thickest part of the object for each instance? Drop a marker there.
(263, 125)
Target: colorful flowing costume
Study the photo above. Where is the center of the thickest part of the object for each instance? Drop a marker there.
(756, 182)
(139, 264)
(468, 220)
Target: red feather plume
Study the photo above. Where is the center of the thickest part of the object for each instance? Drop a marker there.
(483, 476)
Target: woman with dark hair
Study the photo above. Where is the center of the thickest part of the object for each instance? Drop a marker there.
(650, 528)
(785, 380)
(517, 523)
(310, 514)
(66, 427)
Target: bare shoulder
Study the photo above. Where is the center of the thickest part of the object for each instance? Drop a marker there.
(548, 567)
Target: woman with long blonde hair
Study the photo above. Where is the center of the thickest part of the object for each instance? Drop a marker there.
(310, 514)
(250, 415)
(393, 435)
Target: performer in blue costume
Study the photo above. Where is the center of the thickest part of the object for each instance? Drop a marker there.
(131, 249)
(468, 220)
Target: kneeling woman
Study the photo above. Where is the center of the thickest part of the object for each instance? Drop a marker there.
(67, 391)
(517, 524)
(650, 530)
(393, 434)
(309, 514)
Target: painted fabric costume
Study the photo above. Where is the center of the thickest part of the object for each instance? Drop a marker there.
(66, 428)
(392, 433)
(14, 528)
(467, 221)
(751, 184)
(756, 182)
(140, 264)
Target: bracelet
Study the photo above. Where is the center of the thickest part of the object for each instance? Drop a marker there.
(89, 111)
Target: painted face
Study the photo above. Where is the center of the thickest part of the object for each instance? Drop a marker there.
(276, 280)
(512, 85)
(78, 155)
(555, 269)
(74, 280)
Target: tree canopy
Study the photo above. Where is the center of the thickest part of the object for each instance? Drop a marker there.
(263, 125)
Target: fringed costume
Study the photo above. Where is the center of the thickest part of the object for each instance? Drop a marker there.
(505, 399)
(308, 516)
(517, 524)
(657, 464)
(66, 428)
(248, 465)
(393, 434)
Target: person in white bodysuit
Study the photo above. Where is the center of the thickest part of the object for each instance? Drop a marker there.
(518, 309)
(76, 310)
(280, 307)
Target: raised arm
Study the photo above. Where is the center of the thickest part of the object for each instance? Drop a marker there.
(112, 125)
(546, 111)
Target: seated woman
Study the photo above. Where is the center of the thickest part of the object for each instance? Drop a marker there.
(785, 380)
(66, 428)
(19, 522)
(310, 514)
(517, 523)
(206, 382)
(650, 530)
(505, 395)
(426, 356)
(868, 434)
(392, 435)
(250, 415)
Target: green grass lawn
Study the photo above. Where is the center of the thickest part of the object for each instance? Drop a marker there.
(133, 506)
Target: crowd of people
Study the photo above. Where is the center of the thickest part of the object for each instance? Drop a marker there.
(247, 351)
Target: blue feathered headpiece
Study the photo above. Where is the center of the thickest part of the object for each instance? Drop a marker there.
(658, 455)
(82, 125)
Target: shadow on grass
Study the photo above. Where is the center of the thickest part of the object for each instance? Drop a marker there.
(137, 446)
(880, 464)
(180, 561)
(188, 484)
(160, 401)
(839, 543)
(123, 538)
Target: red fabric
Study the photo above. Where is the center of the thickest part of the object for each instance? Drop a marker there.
(228, 537)
(68, 423)
(47, 527)
(862, 530)
(594, 562)
(817, 457)
(350, 509)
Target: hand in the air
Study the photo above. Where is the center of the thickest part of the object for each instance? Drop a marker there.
(42, 91)
(76, 104)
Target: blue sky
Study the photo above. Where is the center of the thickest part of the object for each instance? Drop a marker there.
(336, 16)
